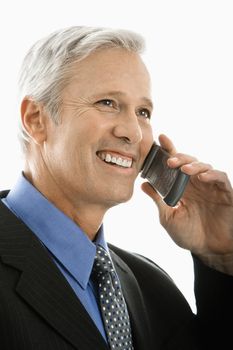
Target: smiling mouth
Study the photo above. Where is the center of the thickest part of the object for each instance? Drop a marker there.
(114, 159)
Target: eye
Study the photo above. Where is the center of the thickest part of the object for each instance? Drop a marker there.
(145, 113)
(106, 102)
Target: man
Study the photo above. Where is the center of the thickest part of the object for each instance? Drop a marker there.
(85, 114)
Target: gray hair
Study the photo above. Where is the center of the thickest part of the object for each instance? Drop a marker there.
(45, 69)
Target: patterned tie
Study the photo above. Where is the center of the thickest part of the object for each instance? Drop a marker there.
(112, 303)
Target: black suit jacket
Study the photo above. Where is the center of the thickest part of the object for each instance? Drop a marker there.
(39, 310)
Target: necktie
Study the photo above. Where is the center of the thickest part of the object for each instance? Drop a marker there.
(112, 303)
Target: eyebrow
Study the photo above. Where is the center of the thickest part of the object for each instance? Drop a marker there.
(116, 93)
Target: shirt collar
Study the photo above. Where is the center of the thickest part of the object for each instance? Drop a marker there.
(62, 237)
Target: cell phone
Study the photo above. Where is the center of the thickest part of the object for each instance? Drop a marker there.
(169, 182)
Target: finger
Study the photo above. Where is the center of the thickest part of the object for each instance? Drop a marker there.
(195, 168)
(180, 159)
(218, 177)
(167, 144)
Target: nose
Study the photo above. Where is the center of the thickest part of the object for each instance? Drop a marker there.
(128, 128)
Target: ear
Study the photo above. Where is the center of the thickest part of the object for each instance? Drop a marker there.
(34, 120)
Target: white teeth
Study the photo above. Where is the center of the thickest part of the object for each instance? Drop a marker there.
(108, 158)
(119, 161)
(126, 163)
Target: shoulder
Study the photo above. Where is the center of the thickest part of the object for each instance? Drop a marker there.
(147, 272)
(137, 261)
(162, 298)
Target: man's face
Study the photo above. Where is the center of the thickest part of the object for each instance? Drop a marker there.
(95, 154)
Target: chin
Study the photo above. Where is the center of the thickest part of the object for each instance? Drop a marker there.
(120, 197)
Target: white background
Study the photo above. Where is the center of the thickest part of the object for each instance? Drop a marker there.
(190, 58)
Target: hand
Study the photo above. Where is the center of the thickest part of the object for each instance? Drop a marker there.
(202, 221)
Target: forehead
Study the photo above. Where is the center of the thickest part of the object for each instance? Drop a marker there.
(110, 69)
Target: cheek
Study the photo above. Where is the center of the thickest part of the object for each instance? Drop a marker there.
(147, 140)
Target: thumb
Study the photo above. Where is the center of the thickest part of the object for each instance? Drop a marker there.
(151, 192)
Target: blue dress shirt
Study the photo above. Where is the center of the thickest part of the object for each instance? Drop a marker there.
(69, 246)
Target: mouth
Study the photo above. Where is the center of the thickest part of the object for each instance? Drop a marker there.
(115, 159)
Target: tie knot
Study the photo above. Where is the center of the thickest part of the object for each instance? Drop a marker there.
(102, 263)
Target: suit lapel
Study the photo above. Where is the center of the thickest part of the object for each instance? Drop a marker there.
(43, 286)
(135, 304)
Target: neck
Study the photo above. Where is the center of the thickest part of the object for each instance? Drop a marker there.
(88, 216)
